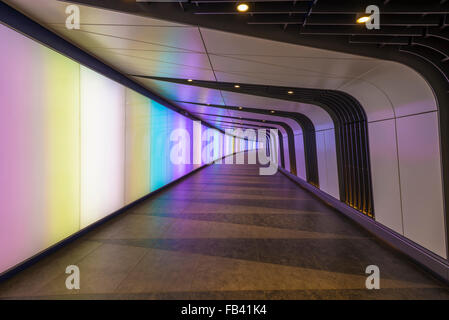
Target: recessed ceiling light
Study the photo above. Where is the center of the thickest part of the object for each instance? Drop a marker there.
(189, 80)
(240, 108)
(363, 19)
(272, 111)
(243, 7)
(290, 92)
(236, 86)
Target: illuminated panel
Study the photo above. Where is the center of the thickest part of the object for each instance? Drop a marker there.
(75, 148)
(178, 123)
(197, 143)
(228, 145)
(159, 145)
(39, 140)
(204, 147)
(217, 145)
(102, 146)
(138, 114)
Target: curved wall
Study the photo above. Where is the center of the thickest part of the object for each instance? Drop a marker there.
(405, 152)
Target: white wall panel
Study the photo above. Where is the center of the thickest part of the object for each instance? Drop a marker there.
(420, 172)
(374, 101)
(321, 159)
(331, 164)
(102, 146)
(286, 152)
(300, 157)
(407, 91)
(385, 174)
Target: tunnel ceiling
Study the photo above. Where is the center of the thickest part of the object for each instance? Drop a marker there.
(409, 28)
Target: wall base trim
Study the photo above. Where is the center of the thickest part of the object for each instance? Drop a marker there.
(435, 264)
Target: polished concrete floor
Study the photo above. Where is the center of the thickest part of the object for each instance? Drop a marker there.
(226, 233)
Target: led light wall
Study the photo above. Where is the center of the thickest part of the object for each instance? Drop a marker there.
(102, 146)
(138, 146)
(77, 146)
(40, 148)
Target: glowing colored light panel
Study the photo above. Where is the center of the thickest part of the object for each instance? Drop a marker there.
(39, 141)
(76, 147)
(138, 144)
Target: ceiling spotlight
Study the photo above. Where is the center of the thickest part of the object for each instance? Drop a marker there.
(240, 108)
(243, 7)
(263, 120)
(272, 111)
(189, 80)
(363, 19)
(290, 92)
(236, 86)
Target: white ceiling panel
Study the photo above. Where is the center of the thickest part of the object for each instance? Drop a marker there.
(293, 66)
(196, 109)
(169, 38)
(87, 40)
(237, 58)
(219, 42)
(53, 11)
(142, 66)
(179, 92)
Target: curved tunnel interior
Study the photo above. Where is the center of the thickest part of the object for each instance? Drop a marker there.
(360, 115)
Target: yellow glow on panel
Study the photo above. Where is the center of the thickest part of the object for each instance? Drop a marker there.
(138, 113)
(61, 107)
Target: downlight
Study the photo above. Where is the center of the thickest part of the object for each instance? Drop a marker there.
(363, 19)
(242, 7)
